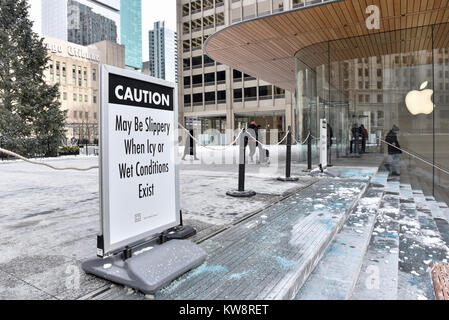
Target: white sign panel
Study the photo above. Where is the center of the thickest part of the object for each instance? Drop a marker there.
(323, 143)
(139, 178)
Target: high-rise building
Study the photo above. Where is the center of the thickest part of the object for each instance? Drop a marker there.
(213, 95)
(163, 52)
(49, 17)
(86, 27)
(131, 31)
(81, 21)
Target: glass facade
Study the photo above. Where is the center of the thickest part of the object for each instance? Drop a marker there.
(131, 31)
(86, 27)
(163, 52)
(344, 82)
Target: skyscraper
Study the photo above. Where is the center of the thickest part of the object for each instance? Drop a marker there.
(215, 96)
(86, 27)
(163, 52)
(49, 17)
(81, 21)
(131, 31)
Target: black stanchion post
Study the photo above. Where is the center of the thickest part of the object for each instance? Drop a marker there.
(309, 153)
(288, 159)
(241, 193)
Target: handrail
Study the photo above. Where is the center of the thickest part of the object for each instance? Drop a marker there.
(446, 171)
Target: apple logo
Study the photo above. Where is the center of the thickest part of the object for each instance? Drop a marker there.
(420, 101)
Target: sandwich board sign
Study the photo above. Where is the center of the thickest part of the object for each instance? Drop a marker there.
(323, 143)
(139, 179)
(139, 183)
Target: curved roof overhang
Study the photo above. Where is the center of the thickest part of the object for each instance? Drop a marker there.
(265, 47)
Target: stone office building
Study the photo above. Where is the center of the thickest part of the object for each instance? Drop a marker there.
(76, 69)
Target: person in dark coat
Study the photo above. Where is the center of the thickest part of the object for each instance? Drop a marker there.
(253, 144)
(394, 151)
(364, 134)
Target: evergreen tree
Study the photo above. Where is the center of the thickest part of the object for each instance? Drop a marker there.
(31, 120)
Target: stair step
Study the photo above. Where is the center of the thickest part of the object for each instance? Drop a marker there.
(270, 256)
(436, 210)
(420, 244)
(336, 275)
(378, 278)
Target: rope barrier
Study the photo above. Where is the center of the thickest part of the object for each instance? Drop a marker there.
(417, 157)
(13, 154)
(209, 147)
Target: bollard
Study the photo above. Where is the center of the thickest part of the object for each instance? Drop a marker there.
(288, 164)
(190, 146)
(309, 153)
(241, 193)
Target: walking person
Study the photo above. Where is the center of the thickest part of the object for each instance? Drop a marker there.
(394, 152)
(364, 134)
(253, 130)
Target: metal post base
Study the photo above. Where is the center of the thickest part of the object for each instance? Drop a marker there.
(241, 194)
(150, 268)
(181, 233)
(290, 179)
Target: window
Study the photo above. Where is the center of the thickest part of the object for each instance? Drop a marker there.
(64, 96)
(278, 5)
(198, 99)
(237, 75)
(250, 94)
(64, 73)
(209, 79)
(94, 99)
(79, 77)
(58, 72)
(186, 63)
(279, 93)
(187, 100)
(265, 92)
(221, 97)
(221, 77)
(210, 97)
(74, 75)
(263, 7)
(94, 74)
(185, 10)
(237, 95)
(380, 98)
(52, 71)
(219, 19)
(85, 77)
(86, 115)
(86, 99)
(249, 11)
(80, 98)
(187, 82)
(95, 116)
(236, 15)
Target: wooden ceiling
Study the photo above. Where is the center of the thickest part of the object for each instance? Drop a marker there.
(266, 47)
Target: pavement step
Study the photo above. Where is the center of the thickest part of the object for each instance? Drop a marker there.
(378, 279)
(271, 255)
(336, 275)
(420, 244)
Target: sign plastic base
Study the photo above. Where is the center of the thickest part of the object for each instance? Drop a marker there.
(181, 233)
(150, 268)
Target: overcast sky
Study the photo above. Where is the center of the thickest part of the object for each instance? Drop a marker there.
(156, 10)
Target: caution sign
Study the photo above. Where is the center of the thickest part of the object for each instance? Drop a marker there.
(139, 177)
